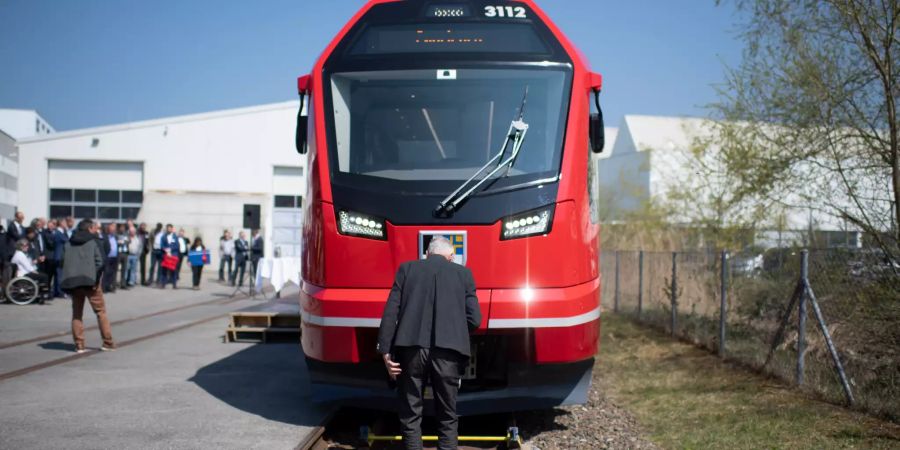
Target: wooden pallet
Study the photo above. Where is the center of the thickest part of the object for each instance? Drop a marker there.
(260, 326)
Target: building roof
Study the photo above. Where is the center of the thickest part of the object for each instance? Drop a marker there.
(20, 123)
(293, 104)
(664, 132)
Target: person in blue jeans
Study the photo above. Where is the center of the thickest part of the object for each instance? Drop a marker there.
(135, 249)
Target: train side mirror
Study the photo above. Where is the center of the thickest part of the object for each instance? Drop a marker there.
(303, 88)
(597, 132)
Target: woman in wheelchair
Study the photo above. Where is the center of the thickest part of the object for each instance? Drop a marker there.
(25, 268)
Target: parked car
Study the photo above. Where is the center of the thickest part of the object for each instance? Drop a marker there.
(746, 264)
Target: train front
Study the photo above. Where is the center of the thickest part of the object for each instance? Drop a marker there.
(470, 120)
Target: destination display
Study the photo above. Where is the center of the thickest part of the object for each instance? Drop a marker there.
(449, 37)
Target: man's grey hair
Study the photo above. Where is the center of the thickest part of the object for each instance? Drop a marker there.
(440, 245)
(22, 243)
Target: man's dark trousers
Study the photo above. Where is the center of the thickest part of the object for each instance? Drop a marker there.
(143, 263)
(50, 267)
(109, 274)
(445, 368)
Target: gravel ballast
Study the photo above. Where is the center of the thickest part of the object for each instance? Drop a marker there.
(599, 424)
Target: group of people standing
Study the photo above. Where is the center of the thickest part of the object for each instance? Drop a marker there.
(36, 250)
(167, 244)
(132, 254)
(235, 253)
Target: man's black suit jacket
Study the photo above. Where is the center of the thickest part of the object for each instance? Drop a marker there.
(13, 234)
(432, 304)
(49, 242)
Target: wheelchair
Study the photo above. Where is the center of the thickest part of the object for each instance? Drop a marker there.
(24, 290)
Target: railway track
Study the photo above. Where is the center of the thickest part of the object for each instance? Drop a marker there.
(218, 301)
(351, 428)
(71, 357)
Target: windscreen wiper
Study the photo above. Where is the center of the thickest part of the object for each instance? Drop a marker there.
(515, 136)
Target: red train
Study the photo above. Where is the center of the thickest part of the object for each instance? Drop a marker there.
(469, 119)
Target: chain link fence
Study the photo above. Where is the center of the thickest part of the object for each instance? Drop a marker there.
(856, 291)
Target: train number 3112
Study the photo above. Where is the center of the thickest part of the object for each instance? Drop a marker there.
(517, 12)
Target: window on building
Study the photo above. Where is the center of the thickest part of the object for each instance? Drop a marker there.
(103, 204)
(130, 212)
(60, 210)
(132, 197)
(109, 196)
(288, 201)
(287, 225)
(83, 195)
(60, 195)
(108, 212)
(84, 212)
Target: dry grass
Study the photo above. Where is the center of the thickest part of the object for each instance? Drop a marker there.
(862, 314)
(687, 398)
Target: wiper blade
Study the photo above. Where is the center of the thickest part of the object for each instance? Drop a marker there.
(515, 136)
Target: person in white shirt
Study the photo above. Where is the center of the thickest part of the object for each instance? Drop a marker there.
(183, 246)
(226, 255)
(25, 266)
(135, 248)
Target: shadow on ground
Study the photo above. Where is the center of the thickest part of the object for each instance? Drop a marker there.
(268, 380)
(57, 345)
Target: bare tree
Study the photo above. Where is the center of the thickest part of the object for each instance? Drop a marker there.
(809, 117)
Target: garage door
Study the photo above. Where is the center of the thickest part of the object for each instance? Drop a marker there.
(109, 191)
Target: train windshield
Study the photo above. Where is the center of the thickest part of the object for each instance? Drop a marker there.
(429, 130)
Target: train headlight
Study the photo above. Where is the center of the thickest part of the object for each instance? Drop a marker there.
(532, 223)
(361, 225)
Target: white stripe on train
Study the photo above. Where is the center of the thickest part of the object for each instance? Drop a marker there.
(551, 322)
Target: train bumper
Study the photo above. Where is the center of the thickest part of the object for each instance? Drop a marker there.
(529, 387)
(563, 324)
(534, 348)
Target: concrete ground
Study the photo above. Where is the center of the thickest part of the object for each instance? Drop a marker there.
(172, 384)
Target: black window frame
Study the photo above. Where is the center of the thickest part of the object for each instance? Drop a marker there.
(68, 198)
(124, 204)
(61, 213)
(107, 192)
(77, 199)
(284, 201)
(78, 214)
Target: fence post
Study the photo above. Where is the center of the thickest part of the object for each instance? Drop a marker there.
(831, 349)
(801, 319)
(616, 296)
(640, 307)
(723, 305)
(674, 299)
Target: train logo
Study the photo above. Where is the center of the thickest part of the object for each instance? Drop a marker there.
(457, 238)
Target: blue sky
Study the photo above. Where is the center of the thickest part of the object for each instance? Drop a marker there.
(96, 62)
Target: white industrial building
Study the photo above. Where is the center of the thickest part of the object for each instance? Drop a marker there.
(23, 123)
(197, 172)
(9, 173)
(651, 159)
